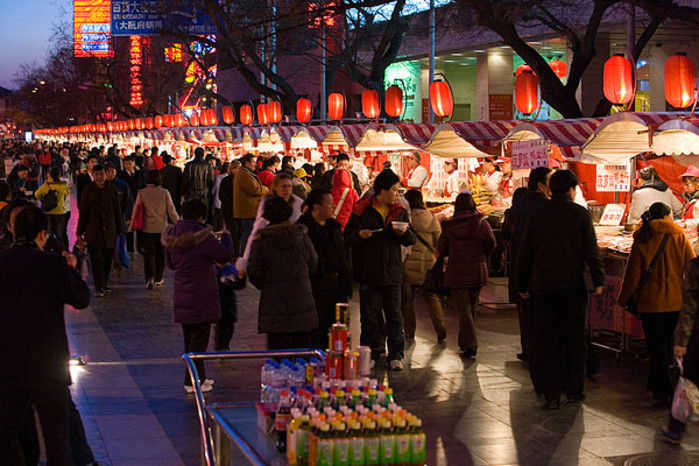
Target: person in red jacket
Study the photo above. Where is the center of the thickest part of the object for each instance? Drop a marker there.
(344, 196)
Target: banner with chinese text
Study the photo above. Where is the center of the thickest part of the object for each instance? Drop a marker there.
(613, 178)
(530, 154)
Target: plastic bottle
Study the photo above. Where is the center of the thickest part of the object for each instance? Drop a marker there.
(281, 421)
(417, 443)
(324, 449)
(323, 401)
(339, 399)
(341, 445)
(291, 437)
(403, 455)
(371, 444)
(302, 439)
(356, 444)
(371, 399)
(387, 444)
(388, 399)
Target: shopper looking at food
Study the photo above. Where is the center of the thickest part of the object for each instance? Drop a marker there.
(690, 178)
(282, 260)
(377, 229)
(247, 193)
(659, 297)
(558, 243)
(198, 179)
(651, 189)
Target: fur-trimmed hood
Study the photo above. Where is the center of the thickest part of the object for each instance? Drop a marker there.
(185, 233)
(283, 235)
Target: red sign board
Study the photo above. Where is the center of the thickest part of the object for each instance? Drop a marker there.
(500, 106)
(92, 28)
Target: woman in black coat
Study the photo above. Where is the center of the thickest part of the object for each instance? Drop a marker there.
(282, 260)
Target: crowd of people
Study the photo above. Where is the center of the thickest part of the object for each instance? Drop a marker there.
(305, 235)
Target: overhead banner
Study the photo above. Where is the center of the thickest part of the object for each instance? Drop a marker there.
(530, 154)
(148, 17)
(91, 28)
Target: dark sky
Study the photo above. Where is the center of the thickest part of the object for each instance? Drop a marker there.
(25, 29)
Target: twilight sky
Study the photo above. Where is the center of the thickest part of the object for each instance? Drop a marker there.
(25, 29)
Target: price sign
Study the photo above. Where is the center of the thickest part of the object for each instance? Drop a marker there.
(530, 154)
(613, 213)
(613, 178)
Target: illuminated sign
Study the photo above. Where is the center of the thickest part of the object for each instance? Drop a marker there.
(91, 28)
(136, 61)
(174, 54)
(407, 75)
(147, 17)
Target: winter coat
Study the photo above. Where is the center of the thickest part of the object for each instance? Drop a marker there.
(326, 182)
(157, 207)
(559, 241)
(171, 177)
(100, 217)
(377, 260)
(191, 252)
(332, 280)
(36, 285)
(281, 263)
(134, 180)
(62, 193)
(422, 258)
(662, 291)
(225, 194)
(266, 177)
(197, 180)
(125, 197)
(247, 192)
(342, 180)
(466, 240)
(687, 323)
(649, 194)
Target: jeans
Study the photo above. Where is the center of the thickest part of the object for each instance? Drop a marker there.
(245, 229)
(466, 301)
(51, 402)
(196, 340)
(527, 329)
(154, 256)
(659, 330)
(560, 347)
(101, 260)
(373, 300)
(434, 306)
(57, 227)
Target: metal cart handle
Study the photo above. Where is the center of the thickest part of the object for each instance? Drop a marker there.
(189, 358)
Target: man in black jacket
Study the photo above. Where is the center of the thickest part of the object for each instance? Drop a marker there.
(198, 179)
(376, 230)
(332, 281)
(558, 243)
(342, 161)
(84, 179)
(513, 231)
(34, 367)
(171, 176)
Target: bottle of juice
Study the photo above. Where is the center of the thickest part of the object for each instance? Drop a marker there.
(417, 443)
(371, 400)
(339, 399)
(323, 400)
(281, 421)
(356, 444)
(371, 444)
(403, 456)
(341, 445)
(387, 444)
(389, 400)
(291, 436)
(324, 449)
(302, 440)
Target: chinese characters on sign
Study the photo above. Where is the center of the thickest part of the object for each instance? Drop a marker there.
(149, 17)
(136, 60)
(613, 213)
(174, 54)
(500, 106)
(611, 178)
(530, 154)
(91, 28)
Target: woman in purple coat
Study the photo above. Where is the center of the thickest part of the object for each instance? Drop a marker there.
(192, 251)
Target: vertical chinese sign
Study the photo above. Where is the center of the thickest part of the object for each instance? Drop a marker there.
(135, 77)
(92, 28)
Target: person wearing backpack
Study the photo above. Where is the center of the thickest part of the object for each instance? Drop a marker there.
(53, 195)
(344, 196)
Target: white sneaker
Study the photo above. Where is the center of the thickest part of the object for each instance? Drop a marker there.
(208, 382)
(206, 387)
(372, 364)
(160, 283)
(396, 365)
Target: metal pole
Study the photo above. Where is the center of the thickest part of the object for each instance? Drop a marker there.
(631, 42)
(323, 97)
(273, 66)
(432, 53)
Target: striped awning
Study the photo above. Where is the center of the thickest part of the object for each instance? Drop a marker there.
(567, 135)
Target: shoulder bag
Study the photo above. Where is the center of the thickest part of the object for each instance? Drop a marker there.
(632, 303)
(137, 217)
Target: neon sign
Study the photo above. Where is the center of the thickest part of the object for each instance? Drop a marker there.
(91, 28)
(136, 61)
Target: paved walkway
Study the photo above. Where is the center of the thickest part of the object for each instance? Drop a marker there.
(475, 412)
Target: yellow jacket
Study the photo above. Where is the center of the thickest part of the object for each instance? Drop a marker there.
(62, 192)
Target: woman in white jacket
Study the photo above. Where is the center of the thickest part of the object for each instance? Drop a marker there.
(651, 189)
(282, 186)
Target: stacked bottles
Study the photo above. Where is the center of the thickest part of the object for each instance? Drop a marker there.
(292, 376)
(342, 362)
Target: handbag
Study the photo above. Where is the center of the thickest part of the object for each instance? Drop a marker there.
(137, 217)
(632, 303)
(434, 279)
(685, 401)
(49, 201)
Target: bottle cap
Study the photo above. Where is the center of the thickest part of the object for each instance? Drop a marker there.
(339, 393)
(400, 423)
(325, 427)
(371, 425)
(285, 392)
(356, 426)
(387, 424)
(340, 426)
(389, 391)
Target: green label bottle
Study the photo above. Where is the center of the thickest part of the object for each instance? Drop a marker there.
(324, 453)
(403, 455)
(417, 443)
(341, 445)
(356, 444)
(387, 444)
(371, 444)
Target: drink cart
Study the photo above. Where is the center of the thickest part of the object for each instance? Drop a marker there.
(224, 425)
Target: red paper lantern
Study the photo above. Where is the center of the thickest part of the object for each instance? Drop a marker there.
(371, 107)
(679, 81)
(303, 110)
(212, 116)
(228, 115)
(158, 121)
(336, 106)
(527, 92)
(246, 115)
(132, 124)
(560, 68)
(110, 126)
(204, 118)
(523, 67)
(167, 120)
(394, 101)
(181, 120)
(441, 99)
(138, 123)
(274, 109)
(263, 114)
(618, 80)
(194, 119)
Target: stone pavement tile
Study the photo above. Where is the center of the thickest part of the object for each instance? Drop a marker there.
(621, 446)
(189, 448)
(168, 462)
(123, 408)
(441, 451)
(147, 426)
(145, 448)
(180, 425)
